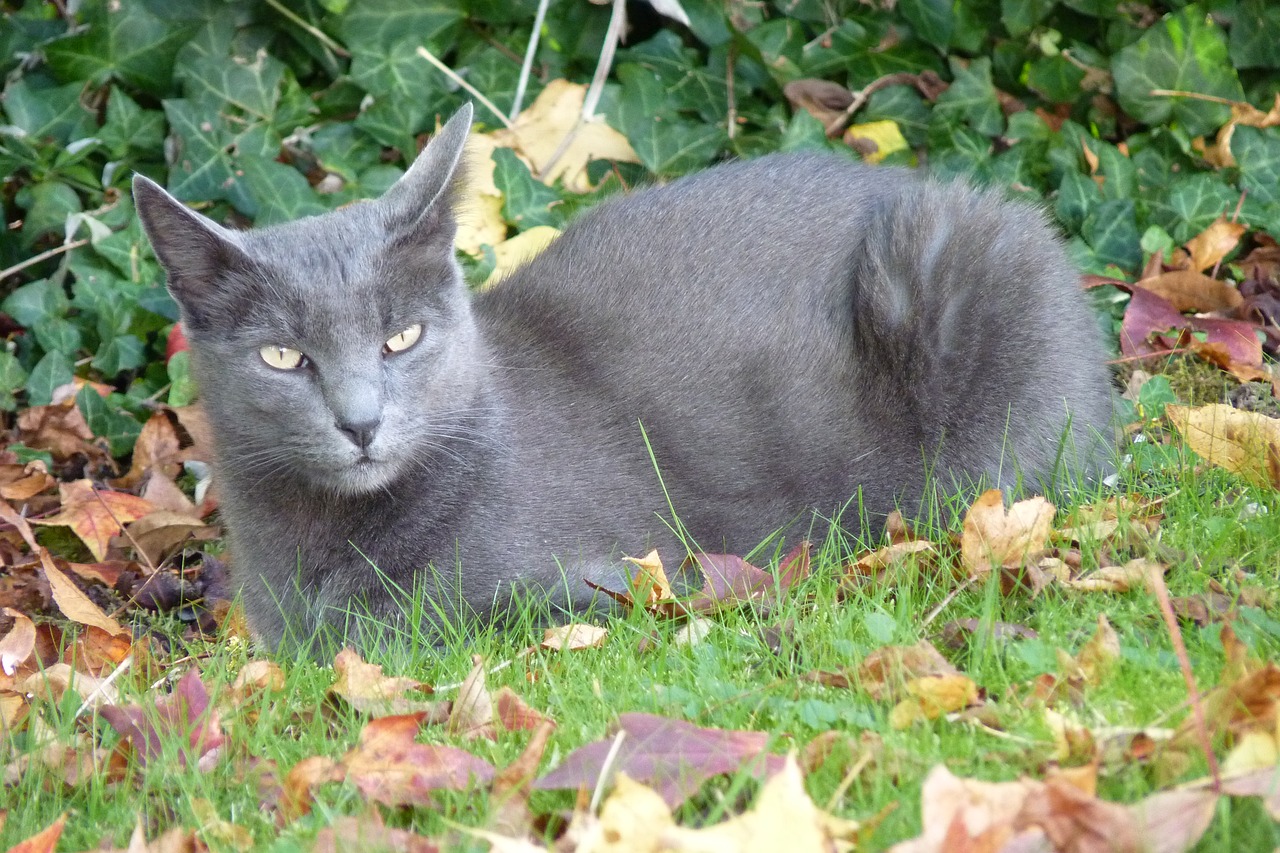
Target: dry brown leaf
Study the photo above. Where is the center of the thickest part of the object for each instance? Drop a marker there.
(1245, 443)
(550, 129)
(17, 645)
(257, 677)
(650, 579)
(43, 841)
(932, 696)
(822, 99)
(1134, 574)
(364, 687)
(574, 636)
(1209, 247)
(53, 682)
(885, 672)
(994, 537)
(1191, 290)
(157, 449)
(1100, 655)
(59, 429)
(472, 713)
(23, 482)
(73, 603)
(162, 532)
(510, 815)
(95, 515)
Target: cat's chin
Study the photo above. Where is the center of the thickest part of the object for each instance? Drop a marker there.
(361, 478)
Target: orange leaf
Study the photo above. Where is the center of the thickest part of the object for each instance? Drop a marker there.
(1213, 244)
(43, 841)
(96, 515)
(1188, 290)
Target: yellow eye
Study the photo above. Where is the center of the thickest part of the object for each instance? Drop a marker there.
(282, 358)
(404, 340)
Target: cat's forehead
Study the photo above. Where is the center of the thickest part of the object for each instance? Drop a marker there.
(346, 245)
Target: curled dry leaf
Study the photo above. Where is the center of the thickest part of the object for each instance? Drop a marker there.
(50, 684)
(1191, 291)
(17, 645)
(1099, 656)
(994, 537)
(157, 449)
(650, 579)
(23, 482)
(370, 833)
(59, 429)
(1211, 245)
(574, 636)
(931, 696)
(1245, 443)
(365, 688)
(1135, 574)
(43, 841)
(256, 678)
(884, 673)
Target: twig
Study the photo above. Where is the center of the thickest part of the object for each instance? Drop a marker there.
(605, 769)
(849, 779)
(612, 37)
(471, 90)
(933, 614)
(731, 62)
(1155, 578)
(864, 94)
(315, 31)
(102, 685)
(527, 67)
(1195, 96)
(43, 256)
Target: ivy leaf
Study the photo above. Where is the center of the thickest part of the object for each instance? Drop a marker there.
(39, 300)
(526, 202)
(932, 20)
(281, 192)
(121, 41)
(971, 99)
(12, 377)
(129, 127)
(371, 24)
(120, 353)
(664, 143)
(1257, 153)
(119, 428)
(1111, 229)
(51, 372)
(1253, 42)
(1185, 52)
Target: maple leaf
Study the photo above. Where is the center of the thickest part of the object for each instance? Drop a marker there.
(477, 713)
(728, 581)
(96, 515)
(184, 714)
(43, 841)
(673, 756)
(23, 482)
(389, 766)
(1245, 443)
(365, 688)
(574, 636)
(995, 538)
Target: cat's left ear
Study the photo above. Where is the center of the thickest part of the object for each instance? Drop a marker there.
(427, 186)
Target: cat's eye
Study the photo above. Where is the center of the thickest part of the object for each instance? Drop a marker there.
(282, 358)
(404, 340)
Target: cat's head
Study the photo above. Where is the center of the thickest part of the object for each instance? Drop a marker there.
(338, 349)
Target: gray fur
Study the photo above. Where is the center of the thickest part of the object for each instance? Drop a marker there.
(788, 331)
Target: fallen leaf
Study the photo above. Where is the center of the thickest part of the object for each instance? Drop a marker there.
(876, 140)
(783, 818)
(389, 766)
(23, 482)
(822, 99)
(258, 677)
(479, 208)
(994, 537)
(472, 712)
(673, 756)
(574, 636)
(885, 672)
(1190, 290)
(514, 252)
(1245, 443)
(52, 683)
(552, 129)
(795, 566)
(59, 429)
(365, 688)
(510, 814)
(96, 515)
(728, 581)
(1134, 574)
(157, 448)
(17, 645)
(185, 715)
(1098, 657)
(1210, 246)
(370, 834)
(43, 841)
(931, 696)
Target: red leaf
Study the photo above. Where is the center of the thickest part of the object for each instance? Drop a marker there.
(671, 756)
(185, 714)
(729, 580)
(390, 767)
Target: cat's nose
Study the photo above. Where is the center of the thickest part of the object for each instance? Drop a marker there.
(360, 432)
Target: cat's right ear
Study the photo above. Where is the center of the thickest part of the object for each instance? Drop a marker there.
(191, 248)
(428, 184)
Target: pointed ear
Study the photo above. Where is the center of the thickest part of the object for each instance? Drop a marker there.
(192, 249)
(429, 182)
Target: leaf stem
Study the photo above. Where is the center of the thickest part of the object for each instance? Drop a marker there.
(315, 31)
(43, 256)
(472, 90)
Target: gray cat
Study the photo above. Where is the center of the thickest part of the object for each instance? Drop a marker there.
(749, 346)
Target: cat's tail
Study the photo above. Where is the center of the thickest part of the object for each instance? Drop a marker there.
(975, 340)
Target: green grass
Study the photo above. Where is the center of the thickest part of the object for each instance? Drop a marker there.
(1213, 527)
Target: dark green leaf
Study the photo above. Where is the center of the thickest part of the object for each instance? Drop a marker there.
(121, 41)
(1257, 152)
(44, 111)
(1185, 52)
(664, 144)
(370, 24)
(39, 300)
(1111, 229)
(1253, 42)
(56, 334)
(933, 20)
(12, 377)
(971, 99)
(526, 201)
(282, 193)
(131, 128)
(51, 372)
(124, 352)
(108, 421)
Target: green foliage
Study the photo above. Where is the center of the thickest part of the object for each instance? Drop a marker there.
(258, 112)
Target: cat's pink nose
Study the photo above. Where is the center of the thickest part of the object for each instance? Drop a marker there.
(360, 432)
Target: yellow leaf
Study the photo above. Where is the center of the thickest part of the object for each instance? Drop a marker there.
(1099, 656)
(876, 140)
(994, 537)
(1212, 245)
(95, 515)
(1245, 443)
(931, 697)
(479, 210)
(650, 578)
(574, 636)
(520, 249)
(550, 130)
(633, 818)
